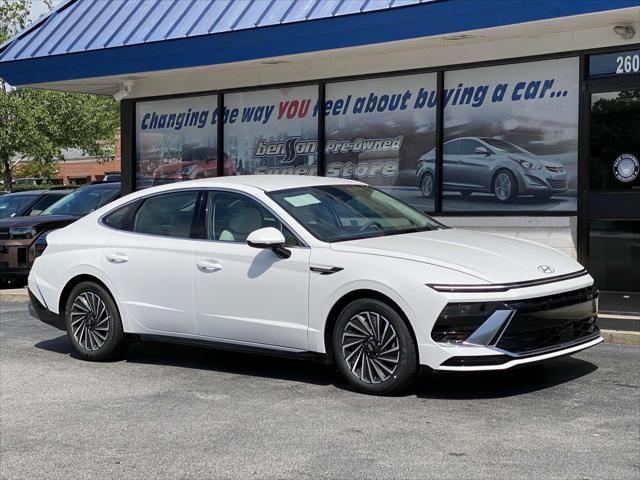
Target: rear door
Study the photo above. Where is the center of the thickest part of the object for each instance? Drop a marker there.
(150, 261)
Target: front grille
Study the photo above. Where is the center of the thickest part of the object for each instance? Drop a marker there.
(558, 184)
(4, 266)
(549, 323)
(554, 169)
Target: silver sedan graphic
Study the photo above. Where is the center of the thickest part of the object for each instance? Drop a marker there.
(490, 165)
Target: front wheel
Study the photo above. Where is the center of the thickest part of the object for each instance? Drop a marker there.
(93, 322)
(374, 349)
(505, 187)
(427, 185)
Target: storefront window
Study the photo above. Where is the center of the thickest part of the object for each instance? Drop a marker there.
(272, 131)
(176, 140)
(511, 137)
(382, 131)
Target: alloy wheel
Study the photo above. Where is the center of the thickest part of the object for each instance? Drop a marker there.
(503, 186)
(426, 185)
(90, 320)
(371, 347)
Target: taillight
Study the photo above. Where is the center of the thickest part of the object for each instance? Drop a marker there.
(38, 247)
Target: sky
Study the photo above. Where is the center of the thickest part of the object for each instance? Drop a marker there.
(38, 8)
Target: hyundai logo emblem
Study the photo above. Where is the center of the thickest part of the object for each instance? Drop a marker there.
(546, 269)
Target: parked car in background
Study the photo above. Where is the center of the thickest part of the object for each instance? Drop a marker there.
(22, 238)
(310, 266)
(32, 181)
(491, 165)
(29, 202)
(196, 162)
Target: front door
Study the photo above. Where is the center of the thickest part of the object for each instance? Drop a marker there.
(247, 294)
(611, 216)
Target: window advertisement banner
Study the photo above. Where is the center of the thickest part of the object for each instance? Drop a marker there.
(511, 137)
(272, 131)
(176, 140)
(377, 130)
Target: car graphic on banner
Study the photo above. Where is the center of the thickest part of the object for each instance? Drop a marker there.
(491, 165)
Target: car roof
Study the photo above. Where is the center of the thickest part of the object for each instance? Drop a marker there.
(269, 183)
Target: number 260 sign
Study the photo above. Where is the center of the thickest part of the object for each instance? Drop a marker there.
(618, 63)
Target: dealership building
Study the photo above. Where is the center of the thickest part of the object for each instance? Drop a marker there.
(518, 117)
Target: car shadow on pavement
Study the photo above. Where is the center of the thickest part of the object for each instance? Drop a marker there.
(500, 384)
(201, 358)
(436, 385)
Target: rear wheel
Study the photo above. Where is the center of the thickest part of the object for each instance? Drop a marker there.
(93, 322)
(374, 349)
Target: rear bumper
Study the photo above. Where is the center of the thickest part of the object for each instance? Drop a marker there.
(42, 313)
(504, 362)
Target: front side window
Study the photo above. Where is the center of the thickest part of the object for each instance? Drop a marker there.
(348, 212)
(167, 215)
(231, 217)
(468, 147)
(84, 200)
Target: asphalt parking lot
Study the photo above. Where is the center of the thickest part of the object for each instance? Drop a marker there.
(181, 412)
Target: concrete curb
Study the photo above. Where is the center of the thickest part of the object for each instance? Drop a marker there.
(619, 337)
(14, 295)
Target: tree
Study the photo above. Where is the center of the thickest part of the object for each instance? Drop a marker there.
(39, 124)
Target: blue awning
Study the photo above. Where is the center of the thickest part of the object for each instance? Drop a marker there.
(95, 38)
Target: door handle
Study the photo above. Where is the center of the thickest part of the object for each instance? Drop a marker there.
(117, 258)
(208, 266)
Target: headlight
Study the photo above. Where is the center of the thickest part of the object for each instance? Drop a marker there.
(526, 163)
(188, 170)
(17, 233)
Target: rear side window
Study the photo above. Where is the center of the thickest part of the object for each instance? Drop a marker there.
(452, 148)
(119, 218)
(167, 215)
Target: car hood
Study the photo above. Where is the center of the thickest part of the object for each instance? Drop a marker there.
(490, 258)
(38, 221)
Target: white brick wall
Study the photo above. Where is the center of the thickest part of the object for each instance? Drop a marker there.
(557, 232)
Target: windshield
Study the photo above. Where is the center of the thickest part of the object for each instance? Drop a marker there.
(504, 146)
(84, 201)
(347, 212)
(10, 205)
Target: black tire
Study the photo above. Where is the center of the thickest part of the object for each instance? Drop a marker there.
(497, 186)
(366, 374)
(91, 340)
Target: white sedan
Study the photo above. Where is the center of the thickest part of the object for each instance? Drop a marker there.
(309, 266)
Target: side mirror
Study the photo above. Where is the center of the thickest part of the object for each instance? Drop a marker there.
(269, 237)
(482, 151)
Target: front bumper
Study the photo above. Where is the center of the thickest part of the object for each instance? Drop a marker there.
(14, 259)
(527, 325)
(504, 362)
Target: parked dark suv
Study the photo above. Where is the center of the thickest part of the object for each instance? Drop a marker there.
(30, 202)
(23, 238)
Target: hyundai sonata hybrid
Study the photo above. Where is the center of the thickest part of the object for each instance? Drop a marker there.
(492, 165)
(309, 266)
